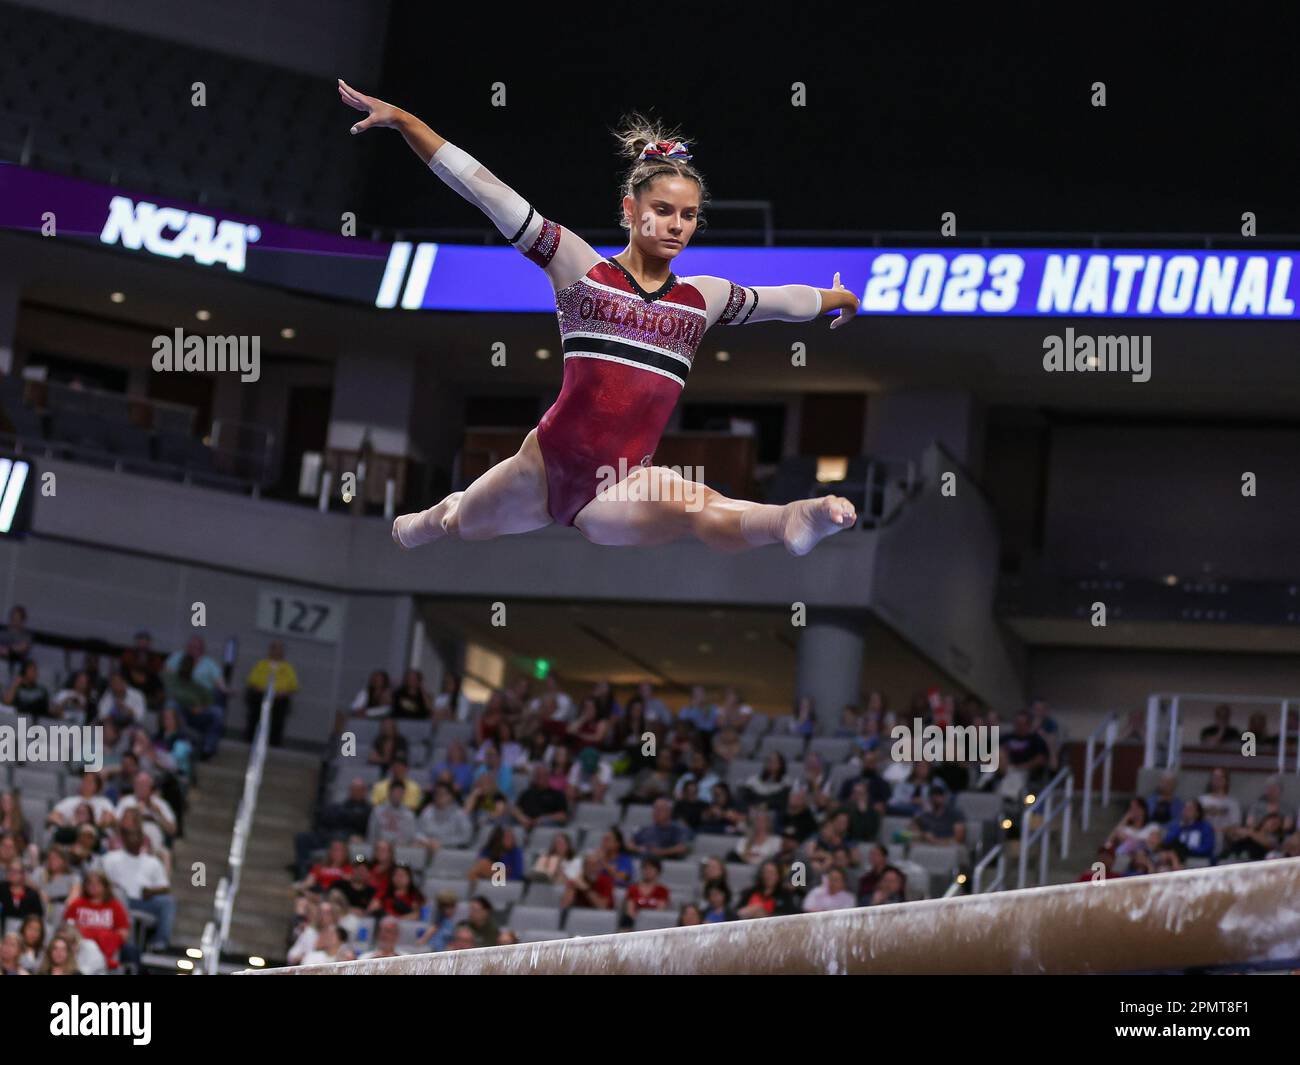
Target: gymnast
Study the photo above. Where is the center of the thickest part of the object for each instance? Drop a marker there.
(630, 331)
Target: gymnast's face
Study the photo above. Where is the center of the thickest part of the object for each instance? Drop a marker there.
(664, 217)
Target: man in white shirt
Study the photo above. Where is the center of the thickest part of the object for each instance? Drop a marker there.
(155, 811)
(656, 710)
(385, 941)
(89, 791)
(139, 879)
(122, 703)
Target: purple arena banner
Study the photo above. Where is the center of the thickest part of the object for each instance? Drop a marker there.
(934, 282)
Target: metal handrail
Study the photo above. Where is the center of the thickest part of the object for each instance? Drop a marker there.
(1091, 759)
(1045, 799)
(216, 933)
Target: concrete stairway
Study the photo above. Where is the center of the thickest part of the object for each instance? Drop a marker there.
(264, 905)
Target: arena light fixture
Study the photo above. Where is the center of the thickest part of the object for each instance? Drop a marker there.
(288, 333)
(193, 952)
(118, 297)
(202, 315)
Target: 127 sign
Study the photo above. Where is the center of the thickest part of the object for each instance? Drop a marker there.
(318, 617)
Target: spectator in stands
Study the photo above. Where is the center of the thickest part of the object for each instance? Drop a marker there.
(717, 903)
(559, 863)
(376, 698)
(305, 943)
(890, 889)
(591, 887)
(769, 897)
(73, 704)
(488, 725)
(159, 820)
(89, 790)
(389, 745)
(1132, 830)
(1106, 859)
(630, 732)
(663, 837)
(482, 923)
(829, 839)
(1193, 835)
(450, 704)
(1256, 839)
(689, 915)
(941, 821)
(121, 704)
(727, 749)
(142, 667)
(501, 776)
(457, 767)
(11, 949)
(760, 842)
(1024, 751)
(849, 727)
(500, 855)
(139, 878)
(16, 639)
(700, 712)
(12, 822)
(877, 863)
(410, 700)
(443, 925)
(1221, 732)
(386, 937)
(657, 713)
(646, 893)
(909, 795)
(614, 858)
(1222, 811)
(722, 816)
(699, 772)
(591, 728)
(733, 712)
(31, 937)
(771, 786)
(60, 957)
(831, 894)
(346, 820)
(589, 777)
(1164, 807)
(1045, 725)
(412, 796)
(357, 890)
(18, 899)
(332, 869)
(331, 946)
(100, 917)
(689, 807)
(864, 820)
(171, 740)
(194, 702)
(652, 782)
(26, 694)
(879, 790)
(552, 701)
(54, 879)
(539, 803)
(442, 823)
(271, 670)
(403, 898)
(803, 722)
(815, 782)
(1270, 801)
(394, 819)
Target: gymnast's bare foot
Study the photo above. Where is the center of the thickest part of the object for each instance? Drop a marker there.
(415, 530)
(809, 521)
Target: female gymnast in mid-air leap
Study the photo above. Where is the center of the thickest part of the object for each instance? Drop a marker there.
(630, 329)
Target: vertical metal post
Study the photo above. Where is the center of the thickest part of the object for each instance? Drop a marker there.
(1153, 723)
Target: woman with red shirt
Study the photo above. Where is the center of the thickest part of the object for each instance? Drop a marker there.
(768, 897)
(381, 867)
(403, 898)
(99, 916)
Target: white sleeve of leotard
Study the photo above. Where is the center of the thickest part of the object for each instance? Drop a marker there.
(563, 254)
(727, 303)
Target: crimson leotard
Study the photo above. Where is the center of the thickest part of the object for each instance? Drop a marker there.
(627, 352)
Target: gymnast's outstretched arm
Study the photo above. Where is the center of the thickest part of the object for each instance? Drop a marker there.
(560, 252)
(731, 304)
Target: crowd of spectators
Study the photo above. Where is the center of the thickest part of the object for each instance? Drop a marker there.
(86, 856)
(509, 788)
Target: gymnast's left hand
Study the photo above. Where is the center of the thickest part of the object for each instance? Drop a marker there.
(844, 300)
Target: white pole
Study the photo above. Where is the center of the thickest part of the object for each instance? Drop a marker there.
(1153, 723)
(390, 499)
(1171, 758)
(323, 501)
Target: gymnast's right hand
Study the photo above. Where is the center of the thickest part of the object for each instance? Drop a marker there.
(378, 113)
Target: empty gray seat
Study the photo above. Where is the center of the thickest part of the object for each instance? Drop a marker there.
(541, 894)
(591, 922)
(535, 917)
(448, 863)
(646, 920)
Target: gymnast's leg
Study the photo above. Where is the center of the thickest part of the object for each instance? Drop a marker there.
(508, 498)
(655, 505)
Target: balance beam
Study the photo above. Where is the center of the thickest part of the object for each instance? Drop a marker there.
(1228, 915)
